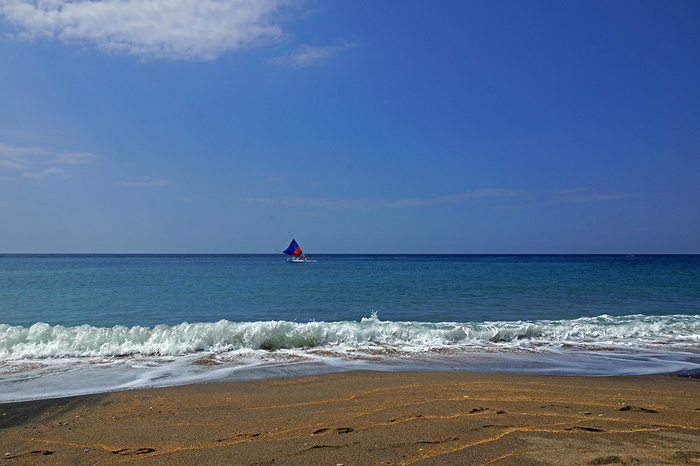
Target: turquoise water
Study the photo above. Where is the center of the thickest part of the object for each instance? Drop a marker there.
(152, 290)
(124, 321)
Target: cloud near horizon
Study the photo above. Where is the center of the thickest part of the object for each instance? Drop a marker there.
(590, 195)
(369, 204)
(35, 162)
(44, 173)
(571, 195)
(18, 157)
(170, 29)
(145, 181)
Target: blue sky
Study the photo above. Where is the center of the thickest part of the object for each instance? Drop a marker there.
(359, 126)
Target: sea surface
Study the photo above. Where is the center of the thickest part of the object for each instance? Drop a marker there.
(77, 324)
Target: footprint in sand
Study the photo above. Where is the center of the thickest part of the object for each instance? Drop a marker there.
(587, 429)
(478, 410)
(338, 430)
(8, 456)
(636, 409)
(138, 451)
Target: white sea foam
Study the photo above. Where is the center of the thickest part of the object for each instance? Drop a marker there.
(43, 341)
(44, 361)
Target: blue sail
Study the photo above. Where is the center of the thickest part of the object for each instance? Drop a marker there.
(293, 249)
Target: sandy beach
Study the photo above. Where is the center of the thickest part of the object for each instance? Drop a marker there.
(368, 418)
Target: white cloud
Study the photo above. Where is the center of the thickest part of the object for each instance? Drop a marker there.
(567, 196)
(73, 158)
(589, 195)
(173, 29)
(35, 162)
(18, 157)
(144, 181)
(308, 55)
(368, 204)
(44, 173)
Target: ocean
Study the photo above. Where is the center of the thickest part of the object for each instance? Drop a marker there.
(78, 324)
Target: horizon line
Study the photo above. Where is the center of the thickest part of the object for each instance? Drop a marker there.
(625, 254)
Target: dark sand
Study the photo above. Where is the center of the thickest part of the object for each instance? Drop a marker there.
(363, 418)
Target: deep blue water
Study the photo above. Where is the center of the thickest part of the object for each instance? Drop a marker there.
(149, 290)
(124, 321)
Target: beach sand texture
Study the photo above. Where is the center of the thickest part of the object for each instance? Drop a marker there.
(367, 418)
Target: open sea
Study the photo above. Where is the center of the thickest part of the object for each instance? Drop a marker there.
(77, 324)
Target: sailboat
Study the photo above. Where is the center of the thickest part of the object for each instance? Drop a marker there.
(295, 251)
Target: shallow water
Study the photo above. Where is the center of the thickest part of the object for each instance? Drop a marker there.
(87, 323)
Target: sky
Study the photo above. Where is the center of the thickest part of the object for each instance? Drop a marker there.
(357, 126)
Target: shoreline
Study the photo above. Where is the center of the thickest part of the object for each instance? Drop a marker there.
(368, 417)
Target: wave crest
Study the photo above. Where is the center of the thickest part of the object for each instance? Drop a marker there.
(41, 340)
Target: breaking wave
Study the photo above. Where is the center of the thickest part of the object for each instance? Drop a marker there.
(43, 341)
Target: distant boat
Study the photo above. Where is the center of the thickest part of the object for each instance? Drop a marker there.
(295, 251)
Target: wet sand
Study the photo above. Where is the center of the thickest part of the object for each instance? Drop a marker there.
(365, 418)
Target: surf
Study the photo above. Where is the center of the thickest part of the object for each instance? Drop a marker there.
(42, 341)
